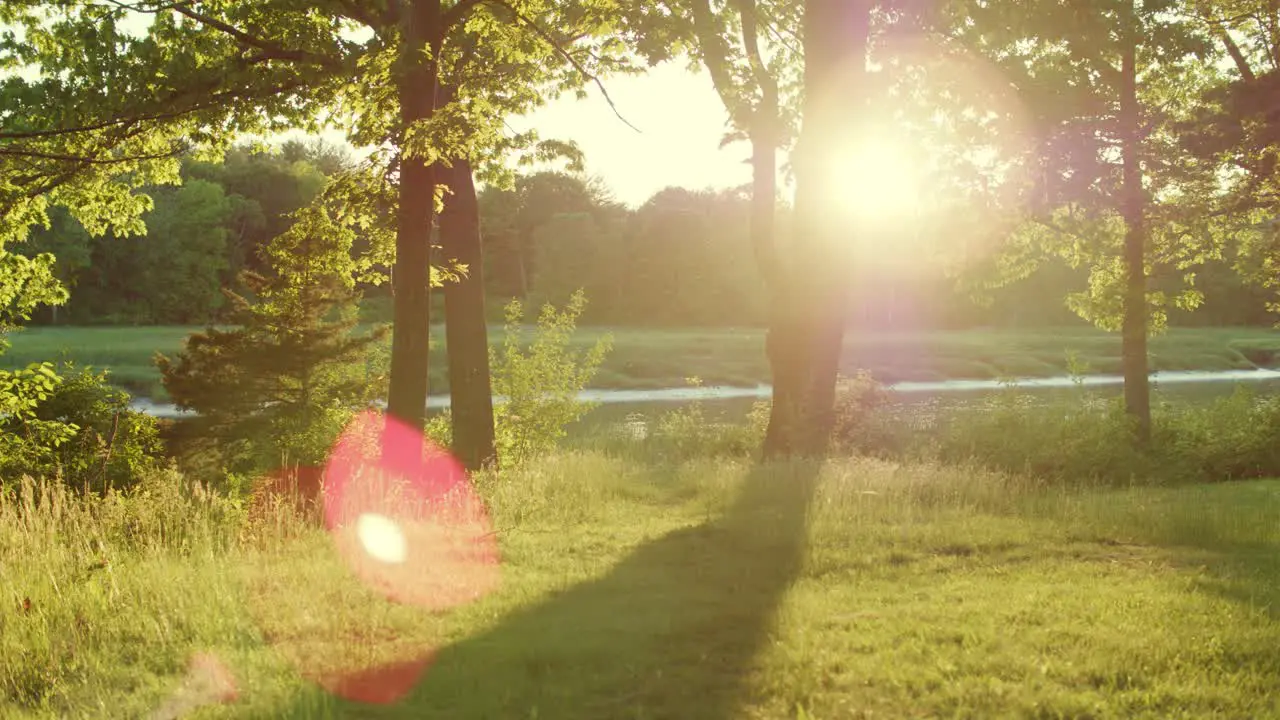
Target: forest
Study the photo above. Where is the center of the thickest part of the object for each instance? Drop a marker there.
(674, 261)
(336, 381)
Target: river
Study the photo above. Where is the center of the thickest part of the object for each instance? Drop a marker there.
(736, 400)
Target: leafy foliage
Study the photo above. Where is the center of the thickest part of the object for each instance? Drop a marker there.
(73, 426)
(540, 380)
(28, 442)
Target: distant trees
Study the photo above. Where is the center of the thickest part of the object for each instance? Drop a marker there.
(200, 237)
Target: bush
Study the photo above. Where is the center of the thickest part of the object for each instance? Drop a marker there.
(115, 445)
(1233, 438)
(28, 442)
(866, 421)
(103, 442)
(687, 432)
(1078, 441)
(540, 380)
(1081, 439)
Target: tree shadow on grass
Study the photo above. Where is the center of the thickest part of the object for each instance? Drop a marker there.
(670, 632)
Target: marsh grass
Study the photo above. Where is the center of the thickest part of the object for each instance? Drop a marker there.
(678, 587)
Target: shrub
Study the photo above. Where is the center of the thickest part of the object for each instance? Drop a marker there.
(1078, 438)
(865, 419)
(28, 442)
(688, 432)
(81, 428)
(114, 446)
(1232, 438)
(541, 380)
(1078, 441)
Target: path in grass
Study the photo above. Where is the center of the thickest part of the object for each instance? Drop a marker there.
(709, 590)
(644, 358)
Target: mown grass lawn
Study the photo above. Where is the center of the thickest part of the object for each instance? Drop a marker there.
(707, 589)
(657, 358)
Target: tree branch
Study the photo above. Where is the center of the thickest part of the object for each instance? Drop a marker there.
(270, 50)
(546, 37)
(84, 159)
(145, 10)
(210, 100)
(715, 57)
(751, 41)
(457, 13)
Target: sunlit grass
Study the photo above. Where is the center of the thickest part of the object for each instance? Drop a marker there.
(658, 358)
(675, 589)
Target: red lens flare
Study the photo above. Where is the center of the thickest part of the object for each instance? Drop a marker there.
(405, 521)
(404, 517)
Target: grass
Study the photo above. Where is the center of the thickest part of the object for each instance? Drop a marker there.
(646, 358)
(706, 588)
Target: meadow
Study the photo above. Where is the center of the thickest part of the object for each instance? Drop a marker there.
(703, 587)
(660, 358)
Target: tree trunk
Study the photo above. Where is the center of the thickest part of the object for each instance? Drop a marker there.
(1137, 396)
(411, 319)
(813, 297)
(466, 333)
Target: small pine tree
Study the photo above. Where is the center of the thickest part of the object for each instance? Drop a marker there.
(276, 389)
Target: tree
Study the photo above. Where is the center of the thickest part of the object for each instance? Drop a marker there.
(263, 191)
(748, 85)
(513, 217)
(280, 385)
(466, 328)
(203, 71)
(1111, 189)
(1236, 129)
(185, 259)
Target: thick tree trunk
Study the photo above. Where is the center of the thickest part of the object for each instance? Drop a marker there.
(466, 334)
(1137, 395)
(411, 319)
(813, 297)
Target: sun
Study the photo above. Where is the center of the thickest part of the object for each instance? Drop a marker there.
(874, 182)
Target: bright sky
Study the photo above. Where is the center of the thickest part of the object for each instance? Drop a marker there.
(681, 122)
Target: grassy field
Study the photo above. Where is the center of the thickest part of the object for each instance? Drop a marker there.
(710, 589)
(665, 358)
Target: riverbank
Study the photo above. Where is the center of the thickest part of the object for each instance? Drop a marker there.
(646, 359)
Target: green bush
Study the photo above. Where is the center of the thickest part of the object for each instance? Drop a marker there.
(1077, 441)
(28, 442)
(865, 419)
(81, 429)
(540, 380)
(1076, 438)
(688, 432)
(115, 445)
(1233, 438)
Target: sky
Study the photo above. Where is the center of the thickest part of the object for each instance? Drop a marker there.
(681, 122)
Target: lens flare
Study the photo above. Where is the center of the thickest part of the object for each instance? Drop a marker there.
(403, 520)
(381, 537)
(404, 517)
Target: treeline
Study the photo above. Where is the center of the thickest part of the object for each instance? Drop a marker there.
(680, 259)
